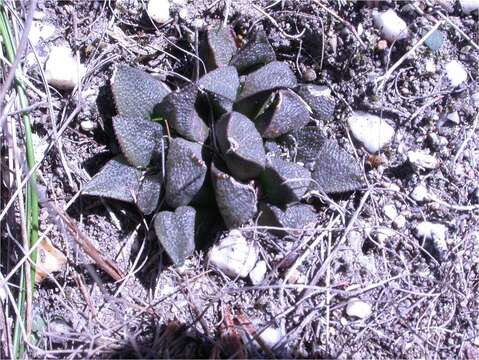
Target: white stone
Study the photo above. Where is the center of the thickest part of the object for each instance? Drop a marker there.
(390, 211)
(384, 233)
(391, 25)
(40, 31)
(184, 14)
(399, 222)
(420, 193)
(469, 6)
(453, 117)
(87, 125)
(431, 231)
(358, 309)
(456, 73)
(62, 70)
(271, 336)
(475, 98)
(430, 67)
(233, 255)
(3, 292)
(159, 10)
(370, 130)
(257, 274)
(421, 160)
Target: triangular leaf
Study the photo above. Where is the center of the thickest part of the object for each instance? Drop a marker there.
(258, 51)
(236, 201)
(287, 113)
(284, 182)
(176, 233)
(336, 171)
(221, 47)
(135, 92)
(116, 180)
(272, 76)
(319, 99)
(241, 145)
(296, 216)
(178, 108)
(139, 139)
(185, 172)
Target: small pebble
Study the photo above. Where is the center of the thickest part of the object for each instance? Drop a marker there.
(370, 130)
(382, 45)
(271, 336)
(454, 117)
(456, 73)
(390, 211)
(422, 161)
(198, 23)
(309, 75)
(62, 70)
(87, 125)
(159, 10)
(233, 255)
(420, 193)
(475, 98)
(399, 222)
(257, 274)
(358, 309)
(430, 67)
(184, 14)
(468, 6)
(434, 232)
(391, 25)
(384, 233)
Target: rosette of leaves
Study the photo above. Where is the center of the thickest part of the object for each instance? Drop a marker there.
(216, 146)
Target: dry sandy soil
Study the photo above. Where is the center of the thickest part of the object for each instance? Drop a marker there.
(422, 305)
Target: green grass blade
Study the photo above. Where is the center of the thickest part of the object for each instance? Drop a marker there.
(32, 208)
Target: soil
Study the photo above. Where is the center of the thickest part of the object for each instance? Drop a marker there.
(422, 306)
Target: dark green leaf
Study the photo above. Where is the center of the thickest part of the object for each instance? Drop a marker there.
(176, 233)
(135, 92)
(120, 181)
(269, 77)
(335, 171)
(149, 193)
(241, 145)
(293, 218)
(185, 172)
(287, 113)
(139, 139)
(116, 180)
(222, 85)
(319, 99)
(236, 201)
(178, 109)
(221, 47)
(284, 182)
(258, 51)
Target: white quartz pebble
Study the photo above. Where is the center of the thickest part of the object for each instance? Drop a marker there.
(257, 274)
(159, 10)
(436, 233)
(468, 6)
(271, 336)
(233, 255)
(358, 309)
(420, 160)
(62, 69)
(420, 193)
(370, 130)
(456, 73)
(391, 25)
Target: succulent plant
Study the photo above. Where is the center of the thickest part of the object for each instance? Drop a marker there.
(214, 144)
